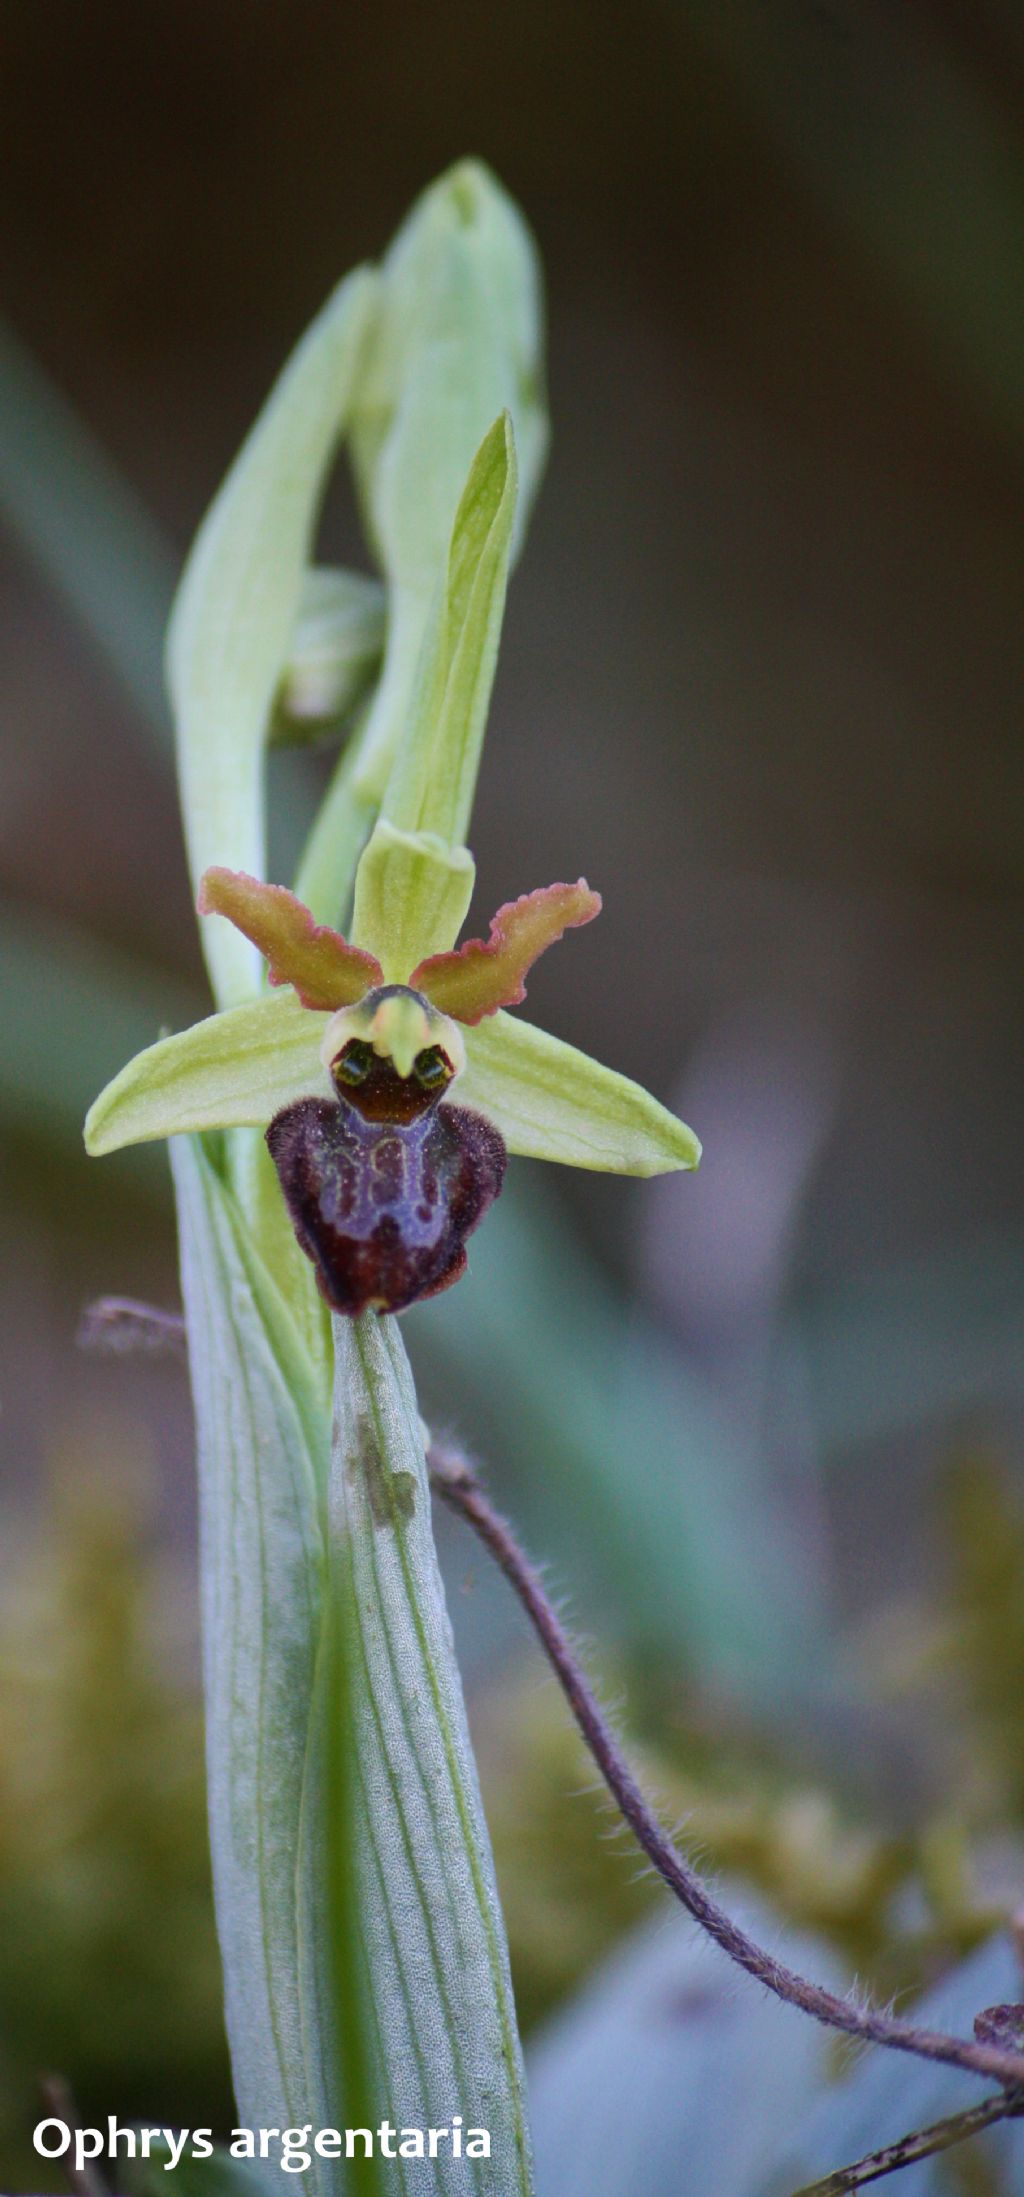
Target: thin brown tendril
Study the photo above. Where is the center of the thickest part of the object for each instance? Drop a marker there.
(455, 1481)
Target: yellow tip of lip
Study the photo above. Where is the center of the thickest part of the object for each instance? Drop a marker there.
(398, 1025)
(400, 1029)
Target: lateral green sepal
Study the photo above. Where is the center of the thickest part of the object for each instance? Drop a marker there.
(554, 1103)
(238, 1067)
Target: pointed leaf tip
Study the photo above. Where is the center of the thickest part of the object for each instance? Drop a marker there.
(485, 974)
(324, 969)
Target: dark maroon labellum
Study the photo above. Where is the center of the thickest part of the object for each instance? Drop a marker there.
(385, 1183)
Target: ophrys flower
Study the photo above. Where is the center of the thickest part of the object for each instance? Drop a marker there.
(349, 1069)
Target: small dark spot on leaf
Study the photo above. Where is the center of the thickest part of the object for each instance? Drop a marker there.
(392, 1495)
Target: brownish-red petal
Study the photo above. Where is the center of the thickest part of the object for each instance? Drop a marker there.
(486, 974)
(325, 970)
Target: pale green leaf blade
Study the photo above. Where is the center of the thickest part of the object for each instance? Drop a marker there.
(414, 878)
(237, 605)
(253, 1180)
(235, 1068)
(437, 1965)
(431, 785)
(458, 339)
(262, 1447)
(554, 1103)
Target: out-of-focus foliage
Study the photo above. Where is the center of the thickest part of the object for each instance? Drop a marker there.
(981, 1646)
(108, 1961)
(957, 1655)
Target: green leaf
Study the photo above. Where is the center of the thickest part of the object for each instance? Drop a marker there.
(235, 1068)
(236, 608)
(458, 339)
(433, 780)
(410, 880)
(437, 1968)
(334, 651)
(253, 1179)
(262, 1448)
(554, 1103)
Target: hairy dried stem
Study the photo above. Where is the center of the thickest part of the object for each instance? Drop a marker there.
(455, 1481)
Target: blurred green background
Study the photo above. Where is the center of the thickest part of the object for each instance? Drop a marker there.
(761, 681)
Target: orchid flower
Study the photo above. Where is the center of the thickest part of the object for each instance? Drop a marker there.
(347, 1069)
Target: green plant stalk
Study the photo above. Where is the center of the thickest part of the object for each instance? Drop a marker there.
(437, 1967)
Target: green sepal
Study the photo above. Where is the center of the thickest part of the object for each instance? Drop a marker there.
(236, 609)
(235, 1068)
(410, 886)
(550, 1101)
(554, 1103)
(433, 779)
